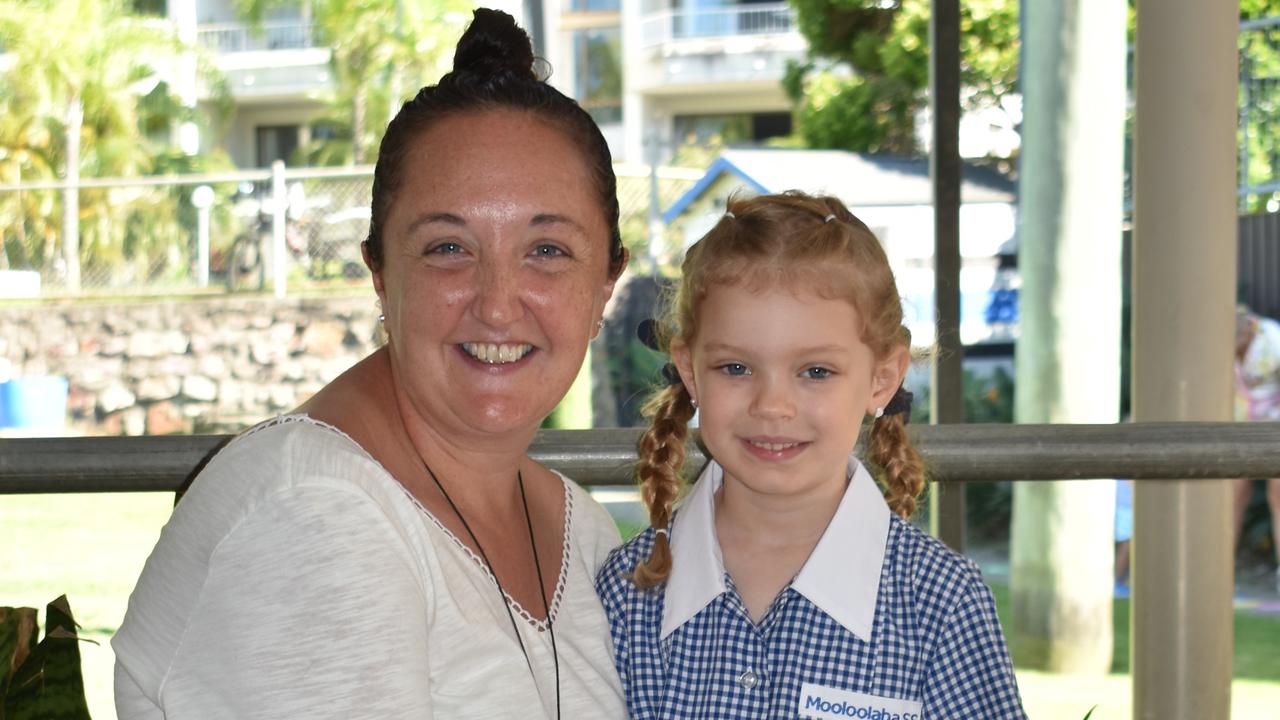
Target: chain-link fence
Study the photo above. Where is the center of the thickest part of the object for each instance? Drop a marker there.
(223, 232)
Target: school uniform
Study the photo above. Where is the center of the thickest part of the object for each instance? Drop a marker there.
(882, 622)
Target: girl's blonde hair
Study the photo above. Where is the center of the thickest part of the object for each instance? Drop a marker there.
(790, 240)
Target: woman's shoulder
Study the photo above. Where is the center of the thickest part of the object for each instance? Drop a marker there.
(589, 524)
(287, 456)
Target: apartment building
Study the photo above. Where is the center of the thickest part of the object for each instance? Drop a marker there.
(654, 73)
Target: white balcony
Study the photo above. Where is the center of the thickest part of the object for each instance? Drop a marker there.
(241, 37)
(730, 49)
(276, 61)
(672, 26)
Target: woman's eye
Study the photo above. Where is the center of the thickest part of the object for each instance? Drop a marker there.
(735, 369)
(548, 251)
(445, 248)
(817, 373)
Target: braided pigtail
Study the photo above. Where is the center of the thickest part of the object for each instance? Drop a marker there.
(900, 465)
(662, 453)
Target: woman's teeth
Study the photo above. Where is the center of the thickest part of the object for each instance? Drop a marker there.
(495, 354)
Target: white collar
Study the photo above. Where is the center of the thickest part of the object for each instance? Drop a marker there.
(841, 576)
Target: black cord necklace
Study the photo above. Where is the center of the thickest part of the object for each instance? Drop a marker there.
(502, 595)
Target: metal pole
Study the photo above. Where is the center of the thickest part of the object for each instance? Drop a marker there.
(202, 246)
(946, 505)
(1184, 271)
(1154, 454)
(279, 216)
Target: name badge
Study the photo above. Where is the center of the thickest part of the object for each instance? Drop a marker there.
(827, 703)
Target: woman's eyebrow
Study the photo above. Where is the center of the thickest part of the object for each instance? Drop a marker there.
(553, 219)
(437, 217)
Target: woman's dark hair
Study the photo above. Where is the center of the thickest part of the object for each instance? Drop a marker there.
(493, 68)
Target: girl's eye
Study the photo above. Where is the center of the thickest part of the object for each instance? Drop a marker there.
(817, 372)
(735, 369)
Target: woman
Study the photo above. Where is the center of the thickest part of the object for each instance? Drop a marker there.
(391, 550)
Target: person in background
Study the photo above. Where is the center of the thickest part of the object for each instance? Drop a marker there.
(1257, 398)
(390, 550)
(789, 583)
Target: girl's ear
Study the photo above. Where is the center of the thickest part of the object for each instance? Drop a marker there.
(887, 377)
(682, 357)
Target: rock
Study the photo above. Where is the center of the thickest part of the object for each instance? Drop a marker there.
(165, 418)
(134, 421)
(115, 397)
(282, 333)
(176, 343)
(212, 365)
(162, 387)
(282, 396)
(81, 402)
(267, 353)
(199, 387)
(323, 339)
(113, 347)
(230, 397)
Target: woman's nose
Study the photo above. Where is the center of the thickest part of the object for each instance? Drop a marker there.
(498, 300)
(773, 401)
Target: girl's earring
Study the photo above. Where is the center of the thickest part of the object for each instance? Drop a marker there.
(382, 318)
(693, 402)
(879, 413)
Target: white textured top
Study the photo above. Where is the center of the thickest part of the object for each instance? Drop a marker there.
(298, 579)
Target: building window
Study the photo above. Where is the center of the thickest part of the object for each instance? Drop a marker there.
(598, 73)
(276, 142)
(731, 129)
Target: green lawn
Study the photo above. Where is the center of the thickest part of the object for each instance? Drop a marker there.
(92, 548)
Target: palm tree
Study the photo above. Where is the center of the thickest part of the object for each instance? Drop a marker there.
(380, 49)
(73, 103)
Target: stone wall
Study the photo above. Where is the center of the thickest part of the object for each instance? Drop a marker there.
(209, 365)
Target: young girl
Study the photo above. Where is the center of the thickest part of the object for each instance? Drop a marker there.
(788, 584)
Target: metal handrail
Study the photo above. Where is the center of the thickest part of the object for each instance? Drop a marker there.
(952, 453)
(668, 25)
(244, 37)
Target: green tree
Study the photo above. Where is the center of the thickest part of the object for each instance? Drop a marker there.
(867, 74)
(1260, 102)
(380, 51)
(86, 94)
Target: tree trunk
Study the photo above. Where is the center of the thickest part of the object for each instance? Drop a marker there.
(71, 195)
(1068, 357)
(358, 112)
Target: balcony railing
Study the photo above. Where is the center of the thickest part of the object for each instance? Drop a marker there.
(664, 27)
(241, 37)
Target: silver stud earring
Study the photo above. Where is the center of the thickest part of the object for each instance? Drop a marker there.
(694, 403)
(599, 324)
(382, 318)
(879, 413)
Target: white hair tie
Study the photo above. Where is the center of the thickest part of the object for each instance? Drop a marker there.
(729, 214)
(829, 218)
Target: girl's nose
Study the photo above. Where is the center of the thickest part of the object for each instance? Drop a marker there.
(773, 401)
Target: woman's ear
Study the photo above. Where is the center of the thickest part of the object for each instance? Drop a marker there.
(887, 377)
(682, 357)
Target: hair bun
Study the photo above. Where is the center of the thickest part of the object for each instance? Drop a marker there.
(494, 44)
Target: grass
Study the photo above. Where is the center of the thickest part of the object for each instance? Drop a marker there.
(1255, 687)
(92, 548)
